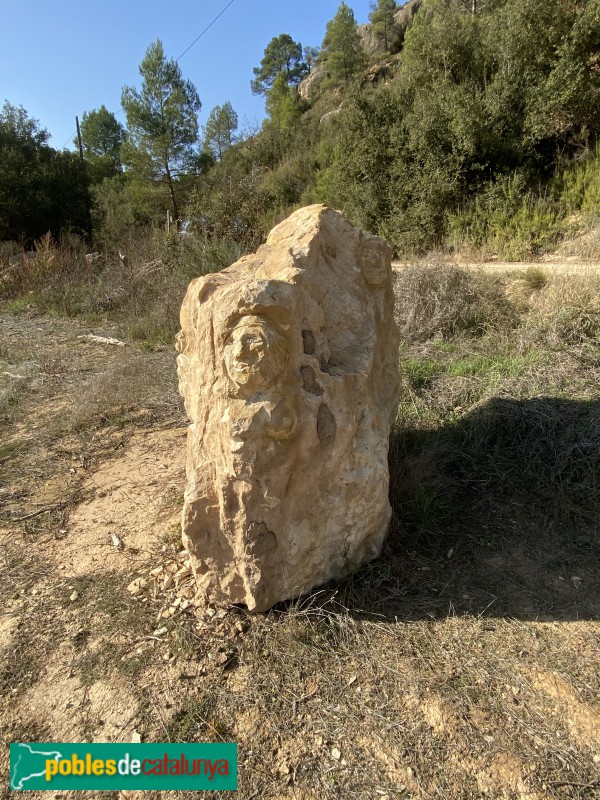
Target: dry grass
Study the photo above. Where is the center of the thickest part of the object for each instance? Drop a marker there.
(140, 287)
(441, 299)
(585, 246)
(462, 664)
(567, 311)
(140, 385)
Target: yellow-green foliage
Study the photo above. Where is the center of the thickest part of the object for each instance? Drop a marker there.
(578, 186)
(516, 223)
(507, 220)
(535, 278)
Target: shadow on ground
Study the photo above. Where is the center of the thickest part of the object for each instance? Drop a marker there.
(495, 514)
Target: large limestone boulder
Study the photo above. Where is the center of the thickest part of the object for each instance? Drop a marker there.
(288, 367)
(368, 41)
(310, 86)
(405, 14)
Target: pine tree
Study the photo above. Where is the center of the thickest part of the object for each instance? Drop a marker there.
(219, 130)
(102, 136)
(282, 104)
(162, 122)
(341, 49)
(282, 55)
(383, 23)
(311, 56)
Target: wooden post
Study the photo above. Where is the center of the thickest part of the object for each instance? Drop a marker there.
(79, 139)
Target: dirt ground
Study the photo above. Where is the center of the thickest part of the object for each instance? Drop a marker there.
(434, 689)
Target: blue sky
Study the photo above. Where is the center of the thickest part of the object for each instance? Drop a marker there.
(59, 59)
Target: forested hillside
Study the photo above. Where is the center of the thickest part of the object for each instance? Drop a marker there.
(465, 124)
(476, 127)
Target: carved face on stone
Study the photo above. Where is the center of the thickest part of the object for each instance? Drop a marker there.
(374, 263)
(255, 355)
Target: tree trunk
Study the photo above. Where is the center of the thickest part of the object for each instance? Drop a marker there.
(172, 192)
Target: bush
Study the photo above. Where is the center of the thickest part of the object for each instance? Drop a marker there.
(507, 220)
(578, 186)
(567, 310)
(535, 278)
(443, 300)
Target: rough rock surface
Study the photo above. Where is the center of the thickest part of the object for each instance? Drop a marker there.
(368, 41)
(405, 14)
(310, 86)
(288, 367)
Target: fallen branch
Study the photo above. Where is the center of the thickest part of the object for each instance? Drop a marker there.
(592, 785)
(91, 337)
(46, 510)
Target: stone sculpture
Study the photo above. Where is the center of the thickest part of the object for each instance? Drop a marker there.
(288, 368)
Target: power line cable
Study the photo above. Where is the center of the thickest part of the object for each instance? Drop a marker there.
(208, 27)
(178, 59)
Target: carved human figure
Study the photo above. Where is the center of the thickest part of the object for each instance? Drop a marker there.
(255, 356)
(374, 262)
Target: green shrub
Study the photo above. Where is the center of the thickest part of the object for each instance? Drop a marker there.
(508, 220)
(577, 186)
(535, 278)
(420, 372)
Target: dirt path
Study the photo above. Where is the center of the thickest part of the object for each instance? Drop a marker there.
(567, 266)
